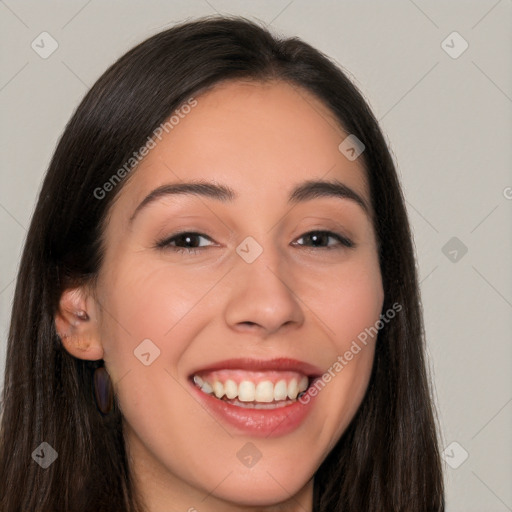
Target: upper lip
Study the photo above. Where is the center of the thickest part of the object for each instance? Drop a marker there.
(277, 364)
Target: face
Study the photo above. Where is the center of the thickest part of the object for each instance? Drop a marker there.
(251, 293)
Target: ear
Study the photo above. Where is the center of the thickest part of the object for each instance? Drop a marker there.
(76, 322)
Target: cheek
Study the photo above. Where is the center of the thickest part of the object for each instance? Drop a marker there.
(348, 307)
(358, 305)
(346, 301)
(154, 315)
(151, 302)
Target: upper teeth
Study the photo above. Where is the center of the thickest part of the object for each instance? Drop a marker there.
(250, 391)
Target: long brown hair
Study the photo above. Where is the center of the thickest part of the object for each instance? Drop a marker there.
(387, 459)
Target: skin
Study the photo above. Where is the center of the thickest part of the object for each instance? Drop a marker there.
(295, 300)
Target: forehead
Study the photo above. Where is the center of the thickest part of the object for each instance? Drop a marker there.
(259, 138)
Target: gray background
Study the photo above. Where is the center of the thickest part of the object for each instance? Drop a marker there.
(448, 123)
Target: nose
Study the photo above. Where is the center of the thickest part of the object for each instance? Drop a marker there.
(262, 299)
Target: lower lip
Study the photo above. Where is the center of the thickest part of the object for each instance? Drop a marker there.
(257, 422)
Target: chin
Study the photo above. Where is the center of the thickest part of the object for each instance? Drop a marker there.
(263, 489)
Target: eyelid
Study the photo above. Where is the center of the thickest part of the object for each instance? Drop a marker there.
(344, 241)
(165, 242)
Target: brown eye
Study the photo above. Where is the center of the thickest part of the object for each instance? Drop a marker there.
(318, 238)
(186, 241)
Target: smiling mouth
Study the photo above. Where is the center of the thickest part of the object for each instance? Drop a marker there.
(253, 389)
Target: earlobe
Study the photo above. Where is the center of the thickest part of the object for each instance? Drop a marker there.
(76, 325)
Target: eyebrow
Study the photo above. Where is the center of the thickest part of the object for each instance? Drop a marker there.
(303, 192)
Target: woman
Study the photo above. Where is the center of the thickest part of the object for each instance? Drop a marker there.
(217, 306)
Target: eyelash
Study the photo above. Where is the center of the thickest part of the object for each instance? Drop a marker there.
(166, 242)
